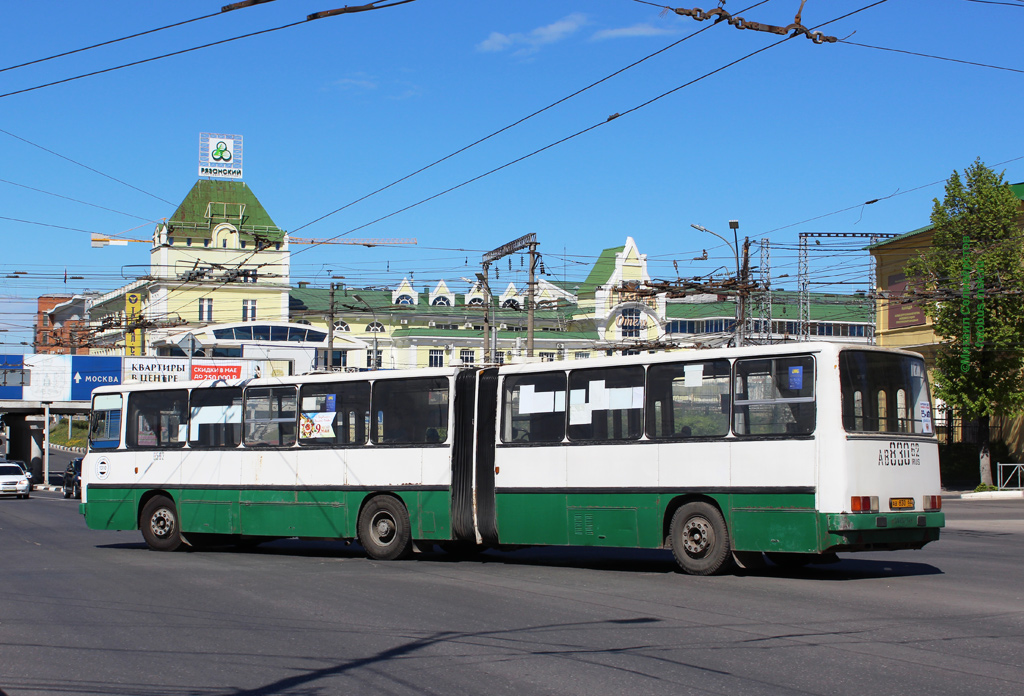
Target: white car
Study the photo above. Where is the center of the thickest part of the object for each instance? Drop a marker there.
(13, 481)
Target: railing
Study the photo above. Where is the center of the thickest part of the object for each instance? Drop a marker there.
(1008, 473)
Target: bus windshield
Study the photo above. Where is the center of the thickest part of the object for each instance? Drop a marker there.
(884, 393)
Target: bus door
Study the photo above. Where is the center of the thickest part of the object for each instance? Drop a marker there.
(472, 505)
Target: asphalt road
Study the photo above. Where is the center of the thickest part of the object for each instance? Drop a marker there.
(91, 612)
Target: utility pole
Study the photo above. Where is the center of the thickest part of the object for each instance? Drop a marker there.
(744, 290)
(531, 296)
(483, 278)
(330, 329)
(528, 241)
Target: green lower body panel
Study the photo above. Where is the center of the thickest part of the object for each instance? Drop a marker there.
(317, 513)
(111, 508)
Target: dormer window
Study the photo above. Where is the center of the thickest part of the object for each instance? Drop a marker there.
(403, 300)
(441, 302)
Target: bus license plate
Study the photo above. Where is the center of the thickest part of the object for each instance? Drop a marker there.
(901, 503)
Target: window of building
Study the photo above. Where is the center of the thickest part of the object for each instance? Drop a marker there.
(688, 400)
(188, 241)
(630, 323)
(547, 356)
(340, 326)
(403, 300)
(374, 327)
(215, 418)
(334, 414)
(370, 360)
(441, 301)
(533, 408)
(467, 356)
(205, 309)
(476, 302)
(435, 358)
(511, 303)
(248, 310)
(157, 418)
(606, 403)
(338, 358)
(581, 355)
(410, 411)
(774, 396)
(270, 415)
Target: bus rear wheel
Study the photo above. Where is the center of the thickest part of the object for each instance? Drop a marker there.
(384, 530)
(159, 524)
(700, 539)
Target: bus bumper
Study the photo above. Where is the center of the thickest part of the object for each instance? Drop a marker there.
(881, 531)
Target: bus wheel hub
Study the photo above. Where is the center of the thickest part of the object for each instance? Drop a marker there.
(696, 535)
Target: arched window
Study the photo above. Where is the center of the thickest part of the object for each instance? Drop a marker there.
(441, 301)
(511, 303)
(375, 327)
(341, 326)
(403, 300)
(476, 302)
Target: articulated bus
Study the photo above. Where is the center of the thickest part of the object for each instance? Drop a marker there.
(794, 451)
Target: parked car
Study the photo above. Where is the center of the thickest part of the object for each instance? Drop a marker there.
(13, 481)
(28, 474)
(73, 479)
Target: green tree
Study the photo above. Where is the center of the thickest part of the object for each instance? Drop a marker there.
(973, 280)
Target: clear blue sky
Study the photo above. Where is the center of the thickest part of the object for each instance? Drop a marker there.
(336, 108)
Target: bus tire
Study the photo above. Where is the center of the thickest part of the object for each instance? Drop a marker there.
(700, 539)
(159, 524)
(384, 530)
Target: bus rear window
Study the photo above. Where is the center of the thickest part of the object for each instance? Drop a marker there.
(105, 422)
(884, 393)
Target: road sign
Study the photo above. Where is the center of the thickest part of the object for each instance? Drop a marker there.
(89, 372)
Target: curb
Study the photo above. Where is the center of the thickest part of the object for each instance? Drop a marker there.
(78, 450)
(993, 495)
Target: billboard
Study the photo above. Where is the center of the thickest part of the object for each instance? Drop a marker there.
(220, 156)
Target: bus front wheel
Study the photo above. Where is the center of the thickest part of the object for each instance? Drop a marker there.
(384, 529)
(700, 539)
(159, 524)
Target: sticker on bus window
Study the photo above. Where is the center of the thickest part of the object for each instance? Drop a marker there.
(693, 376)
(796, 378)
(332, 400)
(312, 425)
(925, 411)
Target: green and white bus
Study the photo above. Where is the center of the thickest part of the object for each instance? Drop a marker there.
(796, 451)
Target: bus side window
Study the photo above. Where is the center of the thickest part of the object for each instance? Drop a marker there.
(334, 414)
(270, 415)
(694, 394)
(105, 422)
(410, 411)
(157, 418)
(606, 403)
(774, 396)
(215, 418)
(533, 408)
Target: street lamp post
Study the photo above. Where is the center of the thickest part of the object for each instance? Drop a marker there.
(373, 361)
(735, 246)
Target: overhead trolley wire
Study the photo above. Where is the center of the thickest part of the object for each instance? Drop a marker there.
(107, 43)
(309, 18)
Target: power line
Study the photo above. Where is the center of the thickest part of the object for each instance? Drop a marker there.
(512, 125)
(84, 166)
(926, 55)
(318, 15)
(111, 41)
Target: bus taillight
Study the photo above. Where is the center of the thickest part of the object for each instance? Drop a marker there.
(864, 503)
(932, 503)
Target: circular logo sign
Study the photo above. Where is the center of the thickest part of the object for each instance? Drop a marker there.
(102, 469)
